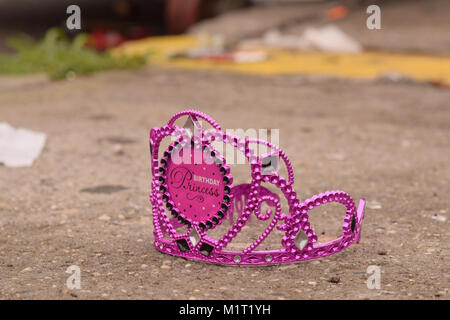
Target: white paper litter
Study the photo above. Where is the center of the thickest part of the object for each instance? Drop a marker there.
(331, 39)
(328, 38)
(439, 217)
(19, 147)
(274, 38)
(249, 56)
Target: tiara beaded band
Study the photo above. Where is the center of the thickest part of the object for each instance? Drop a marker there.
(199, 195)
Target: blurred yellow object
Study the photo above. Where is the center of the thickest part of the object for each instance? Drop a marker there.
(159, 47)
(368, 65)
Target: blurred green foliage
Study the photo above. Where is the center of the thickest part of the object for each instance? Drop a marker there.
(60, 57)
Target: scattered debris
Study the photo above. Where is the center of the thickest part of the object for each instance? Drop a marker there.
(382, 252)
(337, 12)
(249, 56)
(238, 56)
(212, 48)
(331, 39)
(328, 38)
(274, 38)
(334, 280)
(105, 189)
(19, 147)
(104, 39)
(365, 65)
(439, 217)
(207, 45)
(374, 205)
(104, 217)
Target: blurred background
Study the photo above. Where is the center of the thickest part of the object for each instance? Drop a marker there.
(140, 18)
(249, 31)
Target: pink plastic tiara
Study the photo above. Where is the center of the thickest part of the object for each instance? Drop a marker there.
(192, 187)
